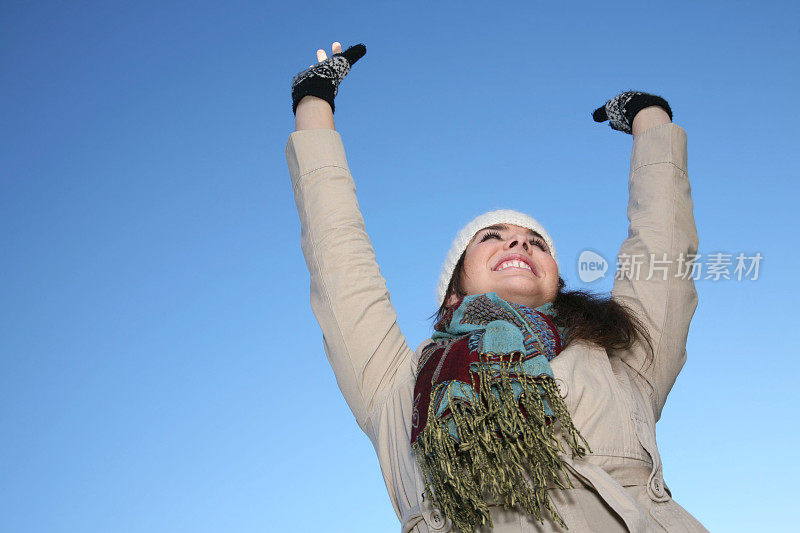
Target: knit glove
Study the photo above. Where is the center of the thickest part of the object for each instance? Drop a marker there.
(620, 110)
(322, 80)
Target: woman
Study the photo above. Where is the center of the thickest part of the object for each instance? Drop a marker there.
(562, 434)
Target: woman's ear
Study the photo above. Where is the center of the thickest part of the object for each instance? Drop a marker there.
(451, 300)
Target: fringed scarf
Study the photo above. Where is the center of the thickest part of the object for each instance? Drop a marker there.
(485, 403)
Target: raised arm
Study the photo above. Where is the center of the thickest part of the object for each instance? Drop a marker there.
(662, 237)
(348, 294)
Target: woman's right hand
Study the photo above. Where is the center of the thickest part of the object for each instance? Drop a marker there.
(336, 48)
(322, 80)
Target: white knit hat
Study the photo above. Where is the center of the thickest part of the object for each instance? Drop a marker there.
(502, 216)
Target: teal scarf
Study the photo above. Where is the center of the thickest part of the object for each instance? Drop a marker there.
(486, 406)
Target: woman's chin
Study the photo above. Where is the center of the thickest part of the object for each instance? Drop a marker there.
(527, 298)
(531, 293)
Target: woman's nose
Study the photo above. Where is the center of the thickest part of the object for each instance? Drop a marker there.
(517, 241)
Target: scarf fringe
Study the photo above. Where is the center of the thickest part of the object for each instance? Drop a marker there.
(503, 442)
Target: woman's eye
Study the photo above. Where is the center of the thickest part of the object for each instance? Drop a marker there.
(490, 235)
(540, 244)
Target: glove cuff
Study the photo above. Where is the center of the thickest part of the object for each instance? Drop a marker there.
(313, 86)
(621, 110)
(641, 101)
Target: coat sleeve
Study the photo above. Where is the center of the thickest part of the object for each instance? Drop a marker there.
(362, 340)
(653, 276)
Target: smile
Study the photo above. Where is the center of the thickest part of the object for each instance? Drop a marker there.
(515, 261)
(513, 264)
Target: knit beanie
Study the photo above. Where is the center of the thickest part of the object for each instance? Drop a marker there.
(502, 216)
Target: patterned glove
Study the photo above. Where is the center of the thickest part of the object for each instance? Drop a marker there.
(620, 110)
(322, 80)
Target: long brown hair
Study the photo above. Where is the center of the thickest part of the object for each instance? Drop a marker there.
(589, 316)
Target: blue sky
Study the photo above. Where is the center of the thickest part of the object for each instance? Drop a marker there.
(160, 367)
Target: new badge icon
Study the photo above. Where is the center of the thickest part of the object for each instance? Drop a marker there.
(591, 266)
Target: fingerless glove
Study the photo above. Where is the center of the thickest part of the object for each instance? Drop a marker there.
(620, 110)
(322, 80)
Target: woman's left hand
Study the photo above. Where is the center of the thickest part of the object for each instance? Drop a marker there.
(621, 110)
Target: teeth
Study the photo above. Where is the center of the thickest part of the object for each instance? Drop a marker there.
(514, 263)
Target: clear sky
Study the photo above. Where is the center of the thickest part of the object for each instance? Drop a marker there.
(160, 367)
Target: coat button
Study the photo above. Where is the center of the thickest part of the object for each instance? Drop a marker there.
(563, 390)
(658, 488)
(437, 522)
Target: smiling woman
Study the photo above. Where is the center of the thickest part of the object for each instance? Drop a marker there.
(530, 407)
(534, 280)
(506, 259)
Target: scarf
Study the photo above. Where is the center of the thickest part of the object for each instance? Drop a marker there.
(485, 407)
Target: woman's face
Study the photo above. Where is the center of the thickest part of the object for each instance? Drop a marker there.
(512, 261)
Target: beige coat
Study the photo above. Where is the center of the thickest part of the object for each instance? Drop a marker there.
(614, 399)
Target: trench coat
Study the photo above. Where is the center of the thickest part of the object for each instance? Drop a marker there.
(614, 397)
